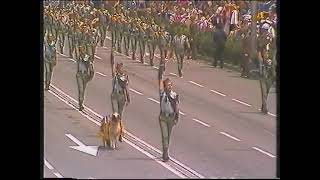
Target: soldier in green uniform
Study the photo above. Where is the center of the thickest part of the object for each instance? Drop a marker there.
(120, 96)
(181, 44)
(61, 30)
(134, 37)
(49, 59)
(103, 18)
(169, 114)
(142, 37)
(126, 34)
(151, 41)
(83, 75)
(71, 37)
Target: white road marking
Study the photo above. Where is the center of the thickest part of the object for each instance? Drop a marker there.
(136, 91)
(180, 112)
(136, 138)
(272, 114)
(155, 67)
(218, 93)
(205, 124)
(241, 102)
(58, 175)
(264, 152)
(98, 57)
(62, 54)
(196, 84)
(269, 132)
(48, 164)
(72, 60)
(173, 74)
(101, 74)
(156, 159)
(269, 113)
(151, 99)
(228, 135)
(75, 140)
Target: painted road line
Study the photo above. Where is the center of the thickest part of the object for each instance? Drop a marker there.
(136, 91)
(264, 152)
(151, 99)
(46, 163)
(180, 112)
(241, 102)
(205, 124)
(196, 84)
(272, 114)
(228, 135)
(101, 74)
(98, 57)
(269, 113)
(58, 175)
(62, 54)
(173, 74)
(218, 93)
(72, 60)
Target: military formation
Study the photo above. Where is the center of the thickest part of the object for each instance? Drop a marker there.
(83, 27)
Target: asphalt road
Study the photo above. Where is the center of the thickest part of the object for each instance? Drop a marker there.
(221, 132)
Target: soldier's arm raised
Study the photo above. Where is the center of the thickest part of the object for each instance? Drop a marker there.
(112, 63)
(161, 87)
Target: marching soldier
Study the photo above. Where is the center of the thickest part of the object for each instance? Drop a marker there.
(134, 32)
(83, 74)
(120, 95)
(119, 29)
(169, 114)
(103, 26)
(114, 31)
(181, 44)
(126, 37)
(142, 40)
(61, 31)
(49, 59)
(151, 41)
(164, 43)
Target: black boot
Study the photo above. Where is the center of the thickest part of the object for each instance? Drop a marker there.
(165, 155)
(47, 86)
(80, 106)
(264, 109)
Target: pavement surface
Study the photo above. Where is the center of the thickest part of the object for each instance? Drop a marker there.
(221, 133)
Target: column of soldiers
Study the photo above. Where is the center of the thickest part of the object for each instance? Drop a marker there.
(83, 28)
